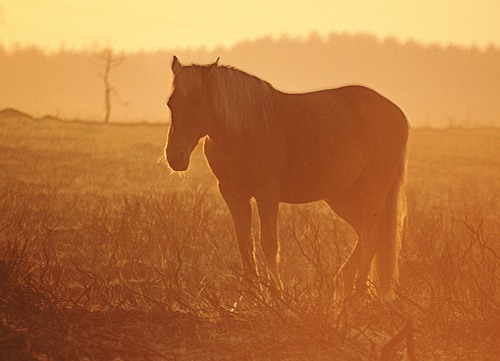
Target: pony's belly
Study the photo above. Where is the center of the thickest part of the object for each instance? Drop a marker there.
(300, 198)
(311, 187)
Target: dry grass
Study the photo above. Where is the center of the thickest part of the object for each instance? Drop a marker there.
(104, 255)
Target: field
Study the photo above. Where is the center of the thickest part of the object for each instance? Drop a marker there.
(107, 255)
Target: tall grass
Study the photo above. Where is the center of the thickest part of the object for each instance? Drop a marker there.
(155, 276)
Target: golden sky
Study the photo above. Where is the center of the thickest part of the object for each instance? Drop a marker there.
(167, 24)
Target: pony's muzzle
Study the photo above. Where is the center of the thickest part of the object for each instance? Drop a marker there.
(178, 161)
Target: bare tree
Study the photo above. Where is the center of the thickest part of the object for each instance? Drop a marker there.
(109, 61)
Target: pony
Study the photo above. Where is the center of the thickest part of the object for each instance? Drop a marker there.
(344, 146)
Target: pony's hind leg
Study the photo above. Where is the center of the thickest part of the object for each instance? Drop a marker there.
(268, 205)
(373, 242)
(353, 274)
(346, 275)
(348, 206)
(361, 206)
(369, 242)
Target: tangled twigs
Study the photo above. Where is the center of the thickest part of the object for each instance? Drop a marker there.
(406, 333)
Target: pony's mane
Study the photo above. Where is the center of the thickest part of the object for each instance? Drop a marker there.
(241, 102)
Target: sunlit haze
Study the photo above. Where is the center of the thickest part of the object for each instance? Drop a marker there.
(158, 24)
(249, 180)
(438, 60)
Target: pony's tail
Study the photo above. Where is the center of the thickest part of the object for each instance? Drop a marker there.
(393, 227)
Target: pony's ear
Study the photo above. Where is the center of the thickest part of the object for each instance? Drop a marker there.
(212, 66)
(176, 64)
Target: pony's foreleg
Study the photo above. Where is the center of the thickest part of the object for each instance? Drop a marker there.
(241, 212)
(268, 214)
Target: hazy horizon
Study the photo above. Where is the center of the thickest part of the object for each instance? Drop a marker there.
(96, 45)
(438, 61)
(435, 85)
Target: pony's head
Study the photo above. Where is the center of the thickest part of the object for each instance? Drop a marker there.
(190, 108)
(208, 98)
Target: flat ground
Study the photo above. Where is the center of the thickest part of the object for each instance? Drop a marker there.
(106, 255)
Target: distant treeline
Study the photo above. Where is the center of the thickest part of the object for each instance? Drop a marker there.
(435, 85)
